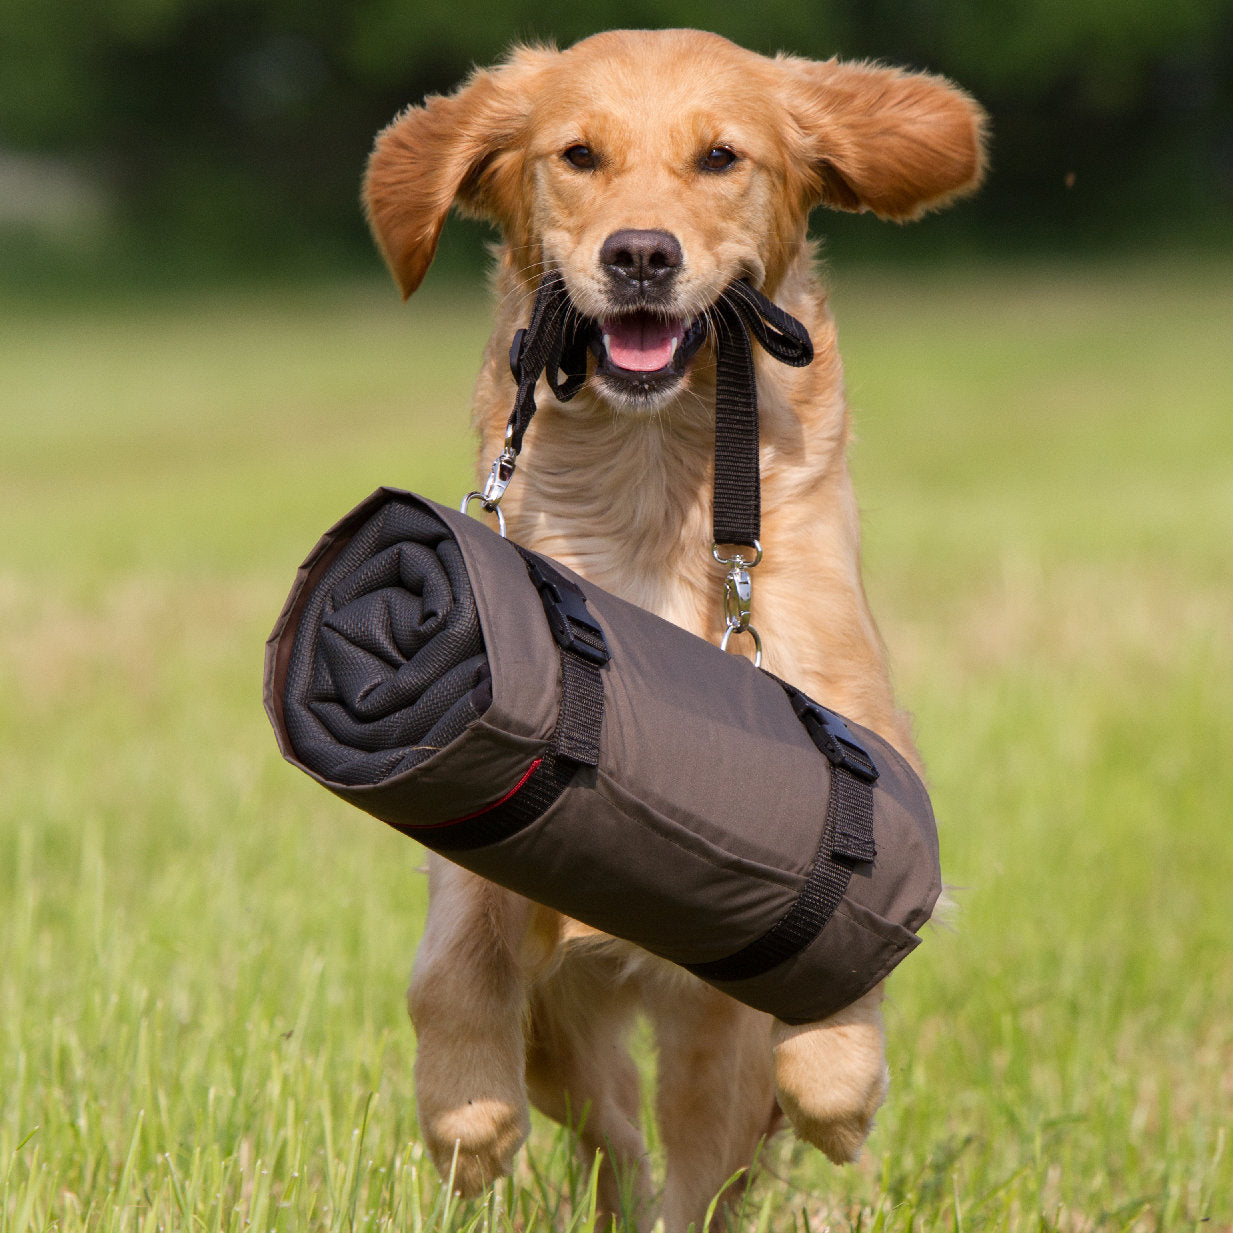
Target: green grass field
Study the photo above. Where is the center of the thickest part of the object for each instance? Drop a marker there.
(202, 955)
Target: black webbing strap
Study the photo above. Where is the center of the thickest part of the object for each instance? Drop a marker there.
(555, 341)
(742, 315)
(583, 653)
(576, 736)
(847, 840)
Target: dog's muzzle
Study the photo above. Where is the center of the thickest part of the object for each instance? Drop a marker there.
(645, 351)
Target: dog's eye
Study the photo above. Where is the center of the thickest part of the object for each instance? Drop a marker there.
(718, 158)
(582, 157)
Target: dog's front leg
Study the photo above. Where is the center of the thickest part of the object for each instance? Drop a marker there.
(467, 1000)
(831, 1076)
(716, 1099)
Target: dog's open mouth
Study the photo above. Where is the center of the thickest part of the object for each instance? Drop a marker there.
(643, 353)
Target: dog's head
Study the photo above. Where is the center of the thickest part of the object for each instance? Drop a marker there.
(654, 167)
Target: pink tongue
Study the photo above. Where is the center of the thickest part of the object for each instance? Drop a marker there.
(640, 342)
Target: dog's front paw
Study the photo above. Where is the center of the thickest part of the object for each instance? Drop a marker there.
(470, 1091)
(474, 1141)
(831, 1077)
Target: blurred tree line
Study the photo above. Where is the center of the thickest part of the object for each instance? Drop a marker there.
(236, 130)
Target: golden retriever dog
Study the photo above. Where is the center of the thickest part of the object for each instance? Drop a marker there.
(651, 168)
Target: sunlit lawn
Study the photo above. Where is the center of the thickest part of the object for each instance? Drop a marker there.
(202, 955)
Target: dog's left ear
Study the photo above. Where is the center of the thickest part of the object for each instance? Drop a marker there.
(892, 142)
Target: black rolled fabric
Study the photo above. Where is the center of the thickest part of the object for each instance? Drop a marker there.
(389, 654)
(415, 673)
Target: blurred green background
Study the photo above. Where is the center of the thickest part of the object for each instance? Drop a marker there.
(199, 137)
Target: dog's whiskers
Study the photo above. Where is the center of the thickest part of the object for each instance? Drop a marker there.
(520, 292)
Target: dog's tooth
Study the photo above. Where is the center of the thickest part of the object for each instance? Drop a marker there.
(607, 339)
(675, 341)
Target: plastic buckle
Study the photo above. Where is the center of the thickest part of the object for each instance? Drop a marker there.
(834, 738)
(565, 606)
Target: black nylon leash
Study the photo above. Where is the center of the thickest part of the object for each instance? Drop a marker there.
(555, 343)
(742, 315)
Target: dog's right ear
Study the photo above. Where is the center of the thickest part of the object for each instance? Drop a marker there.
(464, 149)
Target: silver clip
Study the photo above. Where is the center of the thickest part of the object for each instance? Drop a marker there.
(502, 471)
(753, 633)
(738, 597)
(738, 594)
(498, 478)
(497, 482)
(492, 509)
(736, 558)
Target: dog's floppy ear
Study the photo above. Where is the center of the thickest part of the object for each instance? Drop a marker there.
(462, 149)
(886, 140)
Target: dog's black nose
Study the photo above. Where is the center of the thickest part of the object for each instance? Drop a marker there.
(639, 260)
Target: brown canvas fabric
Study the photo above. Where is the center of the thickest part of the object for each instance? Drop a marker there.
(693, 835)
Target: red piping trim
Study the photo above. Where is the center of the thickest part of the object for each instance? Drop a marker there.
(432, 826)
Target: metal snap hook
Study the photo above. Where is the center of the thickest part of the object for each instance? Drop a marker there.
(737, 558)
(738, 596)
(497, 482)
(753, 633)
(491, 506)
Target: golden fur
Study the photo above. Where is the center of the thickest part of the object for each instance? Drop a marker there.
(509, 1000)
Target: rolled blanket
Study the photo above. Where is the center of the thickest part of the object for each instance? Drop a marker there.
(388, 664)
(555, 739)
